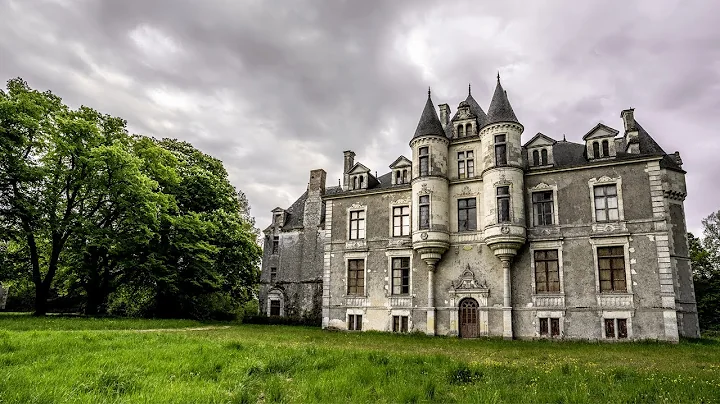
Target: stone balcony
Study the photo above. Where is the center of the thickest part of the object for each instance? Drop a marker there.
(615, 300)
(400, 301)
(356, 301)
(550, 301)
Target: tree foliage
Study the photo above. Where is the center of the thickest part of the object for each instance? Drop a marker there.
(123, 223)
(705, 258)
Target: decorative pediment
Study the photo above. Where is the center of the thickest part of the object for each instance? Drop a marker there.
(359, 169)
(467, 281)
(540, 186)
(600, 131)
(540, 140)
(401, 162)
(401, 201)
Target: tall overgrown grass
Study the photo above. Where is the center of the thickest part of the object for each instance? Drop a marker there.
(80, 360)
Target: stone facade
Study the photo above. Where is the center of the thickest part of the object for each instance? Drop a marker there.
(480, 235)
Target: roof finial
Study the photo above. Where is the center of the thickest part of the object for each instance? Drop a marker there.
(469, 92)
(428, 91)
(498, 76)
(564, 138)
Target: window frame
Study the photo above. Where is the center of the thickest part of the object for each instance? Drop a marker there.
(348, 269)
(501, 145)
(400, 324)
(466, 164)
(547, 245)
(616, 318)
(544, 202)
(423, 161)
(594, 182)
(273, 274)
(404, 276)
(405, 222)
(616, 241)
(612, 258)
(468, 209)
(354, 322)
(426, 205)
(536, 261)
(503, 197)
(272, 306)
(359, 220)
(275, 249)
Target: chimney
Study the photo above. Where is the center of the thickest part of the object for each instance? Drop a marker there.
(676, 157)
(628, 116)
(312, 215)
(444, 114)
(632, 143)
(349, 163)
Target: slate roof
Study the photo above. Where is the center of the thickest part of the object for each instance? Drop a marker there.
(500, 109)
(477, 110)
(429, 121)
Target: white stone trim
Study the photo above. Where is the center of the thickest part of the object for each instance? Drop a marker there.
(355, 255)
(615, 241)
(399, 203)
(404, 253)
(559, 314)
(541, 187)
(605, 180)
(547, 245)
(355, 207)
(627, 315)
(327, 258)
(276, 294)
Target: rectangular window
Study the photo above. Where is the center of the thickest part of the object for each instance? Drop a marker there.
(400, 276)
(273, 274)
(424, 210)
(543, 208)
(466, 165)
(275, 244)
(400, 323)
(550, 326)
(616, 328)
(467, 215)
(355, 322)
(401, 221)
(357, 225)
(424, 161)
(500, 150)
(278, 219)
(606, 203)
(274, 307)
(547, 271)
(356, 277)
(503, 204)
(611, 263)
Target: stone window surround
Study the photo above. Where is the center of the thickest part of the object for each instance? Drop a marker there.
(541, 187)
(617, 241)
(423, 192)
(396, 204)
(355, 312)
(403, 253)
(621, 314)
(403, 179)
(548, 245)
(560, 314)
(355, 208)
(464, 163)
(550, 156)
(360, 255)
(400, 312)
(605, 180)
(276, 294)
(495, 144)
(511, 203)
(456, 226)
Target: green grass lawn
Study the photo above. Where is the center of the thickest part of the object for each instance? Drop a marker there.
(56, 359)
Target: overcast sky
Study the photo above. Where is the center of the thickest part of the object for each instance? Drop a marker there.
(277, 88)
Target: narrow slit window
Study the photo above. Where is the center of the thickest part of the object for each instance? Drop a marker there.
(424, 211)
(503, 204)
(424, 161)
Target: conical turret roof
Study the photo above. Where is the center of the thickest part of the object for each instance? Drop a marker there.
(500, 109)
(429, 121)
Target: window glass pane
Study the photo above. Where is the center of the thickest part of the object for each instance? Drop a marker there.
(499, 138)
(610, 190)
(613, 214)
(461, 155)
(599, 191)
(600, 215)
(469, 154)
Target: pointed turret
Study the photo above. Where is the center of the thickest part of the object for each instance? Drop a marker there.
(500, 109)
(429, 121)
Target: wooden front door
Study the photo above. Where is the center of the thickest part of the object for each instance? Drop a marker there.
(468, 318)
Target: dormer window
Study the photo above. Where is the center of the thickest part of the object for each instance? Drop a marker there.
(596, 150)
(536, 158)
(544, 156)
(540, 151)
(605, 148)
(461, 130)
(468, 130)
(600, 142)
(401, 169)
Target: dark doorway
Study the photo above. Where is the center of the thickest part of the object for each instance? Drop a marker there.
(468, 318)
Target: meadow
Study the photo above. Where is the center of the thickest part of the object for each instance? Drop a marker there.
(86, 360)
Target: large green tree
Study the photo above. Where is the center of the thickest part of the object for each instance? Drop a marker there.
(705, 258)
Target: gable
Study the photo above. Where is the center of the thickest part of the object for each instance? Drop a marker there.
(400, 162)
(359, 169)
(600, 131)
(540, 140)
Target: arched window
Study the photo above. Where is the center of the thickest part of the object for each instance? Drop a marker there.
(596, 150)
(361, 181)
(605, 148)
(355, 182)
(468, 130)
(461, 131)
(543, 154)
(405, 176)
(536, 158)
(398, 179)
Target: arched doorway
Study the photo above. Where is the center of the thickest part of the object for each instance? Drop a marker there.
(468, 318)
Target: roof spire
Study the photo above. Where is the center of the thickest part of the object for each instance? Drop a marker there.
(500, 109)
(498, 76)
(469, 92)
(428, 91)
(429, 122)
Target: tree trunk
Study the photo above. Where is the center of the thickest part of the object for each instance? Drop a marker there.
(41, 297)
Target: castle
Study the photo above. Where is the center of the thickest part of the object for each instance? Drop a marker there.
(479, 235)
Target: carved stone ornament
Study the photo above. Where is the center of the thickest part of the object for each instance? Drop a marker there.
(468, 281)
(424, 235)
(541, 185)
(504, 229)
(356, 206)
(424, 189)
(401, 202)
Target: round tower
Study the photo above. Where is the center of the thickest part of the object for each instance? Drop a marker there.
(503, 189)
(430, 208)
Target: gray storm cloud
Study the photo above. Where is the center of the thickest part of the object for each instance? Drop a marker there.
(275, 90)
